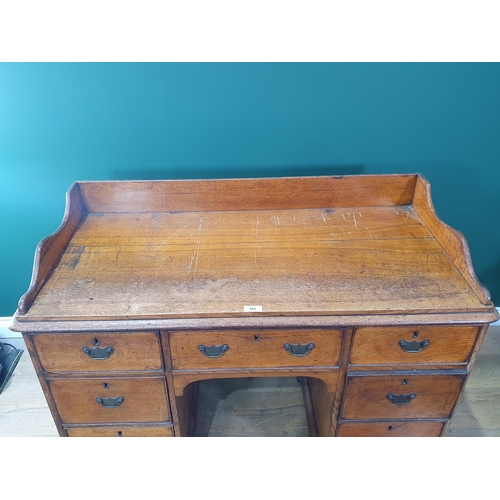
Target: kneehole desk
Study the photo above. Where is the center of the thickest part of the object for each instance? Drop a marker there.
(350, 284)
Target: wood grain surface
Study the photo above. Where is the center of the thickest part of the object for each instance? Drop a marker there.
(24, 410)
(452, 241)
(145, 400)
(183, 378)
(366, 396)
(380, 345)
(49, 250)
(257, 321)
(254, 348)
(119, 431)
(131, 351)
(390, 429)
(221, 262)
(261, 226)
(323, 407)
(252, 194)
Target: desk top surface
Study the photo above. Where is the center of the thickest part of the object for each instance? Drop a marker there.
(289, 262)
(359, 245)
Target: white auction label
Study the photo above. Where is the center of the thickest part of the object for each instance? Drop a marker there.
(252, 309)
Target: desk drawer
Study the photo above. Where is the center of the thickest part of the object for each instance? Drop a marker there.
(110, 400)
(65, 352)
(255, 348)
(391, 429)
(119, 431)
(409, 345)
(400, 396)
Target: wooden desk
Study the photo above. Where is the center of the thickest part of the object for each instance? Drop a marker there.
(352, 284)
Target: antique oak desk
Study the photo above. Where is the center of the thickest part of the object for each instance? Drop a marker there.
(351, 283)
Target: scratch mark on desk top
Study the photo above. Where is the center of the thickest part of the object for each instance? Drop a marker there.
(275, 224)
(177, 231)
(355, 222)
(194, 257)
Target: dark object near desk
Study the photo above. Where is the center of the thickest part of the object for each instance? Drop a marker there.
(9, 357)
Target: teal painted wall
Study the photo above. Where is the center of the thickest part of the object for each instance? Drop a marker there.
(66, 122)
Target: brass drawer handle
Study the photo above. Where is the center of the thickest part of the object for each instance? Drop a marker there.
(213, 351)
(401, 399)
(110, 402)
(413, 345)
(98, 353)
(299, 349)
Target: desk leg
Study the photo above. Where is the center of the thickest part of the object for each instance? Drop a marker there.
(187, 409)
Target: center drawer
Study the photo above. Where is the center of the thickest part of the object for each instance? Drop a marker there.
(81, 401)
(255, 348)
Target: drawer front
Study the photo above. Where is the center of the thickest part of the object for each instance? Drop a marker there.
(391, 429)
(401, 396)
(65, 352)
(255, 348)
(119, 431)
(408, 345)
(121, 400)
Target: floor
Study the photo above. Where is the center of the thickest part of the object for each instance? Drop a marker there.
(23, 409)
(252, 407)
(24, 412)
